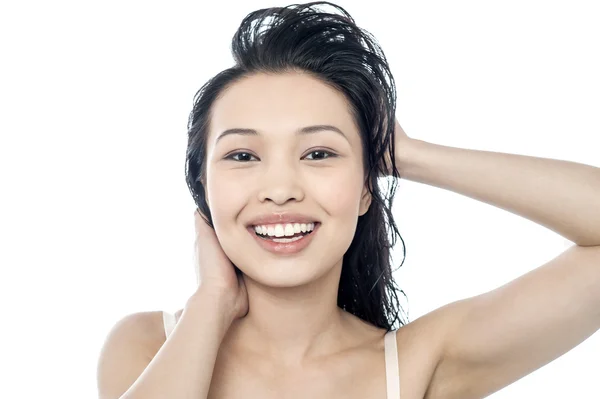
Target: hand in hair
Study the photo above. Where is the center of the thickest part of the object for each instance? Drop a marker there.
(404, 147)
(216, 273)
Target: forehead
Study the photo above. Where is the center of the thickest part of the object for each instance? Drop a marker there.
(280, 103)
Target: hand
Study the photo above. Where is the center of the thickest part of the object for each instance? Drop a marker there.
(403, 147)
(400, 135)
(216, 273)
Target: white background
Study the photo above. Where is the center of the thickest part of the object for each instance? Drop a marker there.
(96, 221)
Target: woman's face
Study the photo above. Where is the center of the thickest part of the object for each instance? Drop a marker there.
(276, 171)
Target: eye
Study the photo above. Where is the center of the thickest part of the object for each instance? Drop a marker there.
(320, 154)
(243, 156)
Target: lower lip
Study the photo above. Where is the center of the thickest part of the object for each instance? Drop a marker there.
(283, 248)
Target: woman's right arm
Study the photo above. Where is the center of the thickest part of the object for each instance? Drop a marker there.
(181, 369)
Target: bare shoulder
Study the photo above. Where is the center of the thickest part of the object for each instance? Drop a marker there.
(128, 348)
(420, 345)
(420, 348)
(146, 329)
(153, 323)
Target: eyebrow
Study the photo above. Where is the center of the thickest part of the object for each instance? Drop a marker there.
(302, 131)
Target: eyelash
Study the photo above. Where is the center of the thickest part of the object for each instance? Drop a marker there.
(329, 155)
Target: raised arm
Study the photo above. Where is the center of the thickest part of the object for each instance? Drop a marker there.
(498, 337)
(183, 367)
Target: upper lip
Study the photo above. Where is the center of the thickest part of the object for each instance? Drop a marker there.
(287, 217)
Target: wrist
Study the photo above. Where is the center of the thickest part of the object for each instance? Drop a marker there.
(408, 157)
(214, 304)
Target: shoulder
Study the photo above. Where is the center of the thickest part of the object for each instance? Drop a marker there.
(143, 328)
(125, 353)
(147, 328)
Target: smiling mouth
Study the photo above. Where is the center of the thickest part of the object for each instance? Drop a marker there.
(284, 244)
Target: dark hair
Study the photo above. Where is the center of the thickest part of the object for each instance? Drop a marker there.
(333, 49)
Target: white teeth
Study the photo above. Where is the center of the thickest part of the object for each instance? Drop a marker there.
(289, 229)
(281, 230)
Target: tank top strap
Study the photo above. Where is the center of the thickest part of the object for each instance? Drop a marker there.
(392, 374)
(168, 322)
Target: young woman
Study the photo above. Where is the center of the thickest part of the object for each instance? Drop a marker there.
(295, 294)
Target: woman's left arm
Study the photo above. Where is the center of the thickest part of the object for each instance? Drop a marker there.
(491, 340)
(563, 196)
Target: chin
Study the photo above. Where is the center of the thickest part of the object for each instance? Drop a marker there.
(284, 273)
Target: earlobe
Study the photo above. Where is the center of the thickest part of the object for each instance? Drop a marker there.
(203, 182)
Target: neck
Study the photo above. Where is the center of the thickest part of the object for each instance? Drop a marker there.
(290, 325)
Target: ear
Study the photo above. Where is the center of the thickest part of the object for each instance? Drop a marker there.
(203, 181)
(365, 201)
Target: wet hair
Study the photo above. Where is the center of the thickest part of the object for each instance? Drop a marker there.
(333, 49)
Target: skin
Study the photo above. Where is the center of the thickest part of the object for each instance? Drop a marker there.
(293, 322)
(293, 299)
(466, 349)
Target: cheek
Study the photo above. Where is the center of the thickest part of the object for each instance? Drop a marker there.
(225, 196)
(339, 193)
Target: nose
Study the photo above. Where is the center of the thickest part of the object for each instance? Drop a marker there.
(280, 183)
